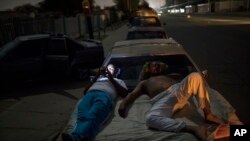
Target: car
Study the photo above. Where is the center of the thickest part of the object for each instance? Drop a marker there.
(142, 21)
(130, 55)
(34, 57)
(146, 33)
(144, 10)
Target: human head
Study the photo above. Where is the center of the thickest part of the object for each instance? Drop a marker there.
(154, 68)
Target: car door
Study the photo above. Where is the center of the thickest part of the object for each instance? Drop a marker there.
(24, 62)
(57, 57)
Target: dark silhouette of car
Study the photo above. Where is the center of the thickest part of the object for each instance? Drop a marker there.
(35, 57)
(135, 33)
(144, 21)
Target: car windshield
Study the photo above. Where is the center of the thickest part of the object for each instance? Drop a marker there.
(145, 21)
(130, 67)
(146, 35)
(6, 48)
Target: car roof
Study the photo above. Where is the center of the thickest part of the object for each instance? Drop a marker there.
(145, 11)
(145, 28)
(143, 17)
(147, 47)
(35, 36)
(39, 36)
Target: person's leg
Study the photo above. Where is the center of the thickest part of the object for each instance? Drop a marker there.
(199, 131)
(159, 116)
(194, 85)
(163, 123)
(222, 108)
(93, 110)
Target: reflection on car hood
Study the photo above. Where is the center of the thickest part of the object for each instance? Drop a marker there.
(147, 47)
(141, 41)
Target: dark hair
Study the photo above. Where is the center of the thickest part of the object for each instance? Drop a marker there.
(145, 73)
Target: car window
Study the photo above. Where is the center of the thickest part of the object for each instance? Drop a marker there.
(26, 49)
(74, 45)
(150, 21)
(146, 35)
(145, 21)
(57, 47)
(130, 67)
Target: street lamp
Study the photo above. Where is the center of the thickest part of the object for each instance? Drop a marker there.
(87, 12)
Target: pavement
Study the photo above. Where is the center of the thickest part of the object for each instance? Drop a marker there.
(40, 112)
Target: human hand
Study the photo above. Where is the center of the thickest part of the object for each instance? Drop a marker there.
(108, 74)
(122, 110)
(102, 71)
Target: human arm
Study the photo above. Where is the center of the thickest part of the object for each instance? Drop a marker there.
(130, 98)
(119, 88)
(100, 71)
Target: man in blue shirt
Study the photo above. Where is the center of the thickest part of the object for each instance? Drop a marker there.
(97, 105)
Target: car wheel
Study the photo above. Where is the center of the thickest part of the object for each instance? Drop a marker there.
(80, 73)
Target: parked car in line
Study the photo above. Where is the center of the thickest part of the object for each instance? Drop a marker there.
(142, 21)
(144, 11)
(32, 57)
(146, 33)
(130, 55)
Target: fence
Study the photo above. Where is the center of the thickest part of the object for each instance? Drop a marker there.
(71, 26)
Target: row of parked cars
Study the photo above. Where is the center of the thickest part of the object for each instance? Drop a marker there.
(46, 56)
(147, 41)
(145, 27)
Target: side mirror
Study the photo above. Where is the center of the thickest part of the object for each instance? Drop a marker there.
(205, 73)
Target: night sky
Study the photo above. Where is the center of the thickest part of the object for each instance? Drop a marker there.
(9, 4)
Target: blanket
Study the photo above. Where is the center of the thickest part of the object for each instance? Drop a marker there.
(133, 128)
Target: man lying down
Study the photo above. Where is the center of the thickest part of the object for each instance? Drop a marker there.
(162, 105)
(168, 96)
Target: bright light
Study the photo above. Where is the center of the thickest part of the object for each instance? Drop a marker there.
(156, 3)
(182, 10)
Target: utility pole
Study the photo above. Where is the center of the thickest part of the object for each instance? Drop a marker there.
(248, 5)
(209, 6)
(87, 12)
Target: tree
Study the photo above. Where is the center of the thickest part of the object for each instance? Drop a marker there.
(26, 8)
(125, 5)
(67, 7)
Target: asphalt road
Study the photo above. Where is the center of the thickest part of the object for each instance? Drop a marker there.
(220, 45)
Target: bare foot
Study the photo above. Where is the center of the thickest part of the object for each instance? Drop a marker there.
(212, 118)
(234, 120)
(201, 133)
